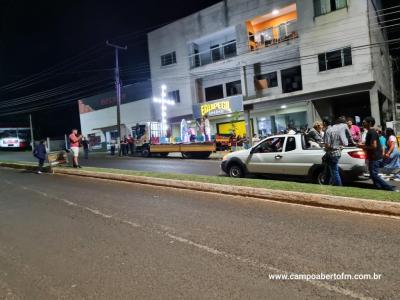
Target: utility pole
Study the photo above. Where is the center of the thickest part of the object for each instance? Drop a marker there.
(32, 140)
(118, 88)
(393, 94)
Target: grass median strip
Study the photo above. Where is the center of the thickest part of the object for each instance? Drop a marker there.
(368, 194)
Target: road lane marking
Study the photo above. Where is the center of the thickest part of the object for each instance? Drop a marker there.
(205, 248)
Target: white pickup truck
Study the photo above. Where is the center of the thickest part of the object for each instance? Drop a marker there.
(290, 155)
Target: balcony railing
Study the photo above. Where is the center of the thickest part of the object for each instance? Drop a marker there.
(214, 54)
(273, 35)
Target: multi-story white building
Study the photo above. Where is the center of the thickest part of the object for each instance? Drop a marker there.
(274, 64)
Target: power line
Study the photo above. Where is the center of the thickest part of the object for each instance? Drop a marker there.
(246, 42)
(49, 105)
(49, 71)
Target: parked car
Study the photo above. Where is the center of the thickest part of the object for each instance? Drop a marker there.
(291, 155)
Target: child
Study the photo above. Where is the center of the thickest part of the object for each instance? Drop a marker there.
(40, 154)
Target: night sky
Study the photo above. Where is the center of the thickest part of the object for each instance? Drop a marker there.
(37, 35)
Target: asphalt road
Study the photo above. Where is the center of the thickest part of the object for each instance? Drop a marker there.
(75, 238)
(178, 165)
(157, 164)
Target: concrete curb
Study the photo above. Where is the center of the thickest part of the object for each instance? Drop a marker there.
(327, 201)
(318, 200)
(23, 166)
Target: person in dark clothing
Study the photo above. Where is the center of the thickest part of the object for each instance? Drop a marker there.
(373, 149)
(131, 143)
(40, 154)
(124, 145)
(85, 145)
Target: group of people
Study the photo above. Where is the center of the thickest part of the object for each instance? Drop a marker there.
(127, 145)
(75, 142)
(381, 149)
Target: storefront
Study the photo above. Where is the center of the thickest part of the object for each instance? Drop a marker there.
(225, 115)
(279, 118)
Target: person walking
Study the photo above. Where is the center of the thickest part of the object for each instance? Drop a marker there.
(74, 140)
(334, 142)
(373, 149)
(85, 145)
(382, 140)
(391, 164)
(345, 131)
(40, 153)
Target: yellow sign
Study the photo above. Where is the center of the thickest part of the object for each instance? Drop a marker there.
(227, 128)
(217, 108)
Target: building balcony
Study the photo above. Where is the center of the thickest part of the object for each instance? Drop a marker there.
(273, 28)
(273, 36)
(212, 48)
(214, 54)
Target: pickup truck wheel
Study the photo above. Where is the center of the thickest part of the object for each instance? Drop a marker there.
(236, 171)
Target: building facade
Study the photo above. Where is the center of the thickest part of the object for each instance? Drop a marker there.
(98, 114)
(264, 66)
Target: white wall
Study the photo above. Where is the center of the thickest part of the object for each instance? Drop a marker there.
(380, 53)
(338, 29)
(131, 113)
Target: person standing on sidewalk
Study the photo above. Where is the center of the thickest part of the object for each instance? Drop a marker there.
(74, 140)
(373, 149)
(40, 153)
(85, 145)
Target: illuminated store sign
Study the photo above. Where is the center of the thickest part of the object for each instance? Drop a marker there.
(219, 107)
